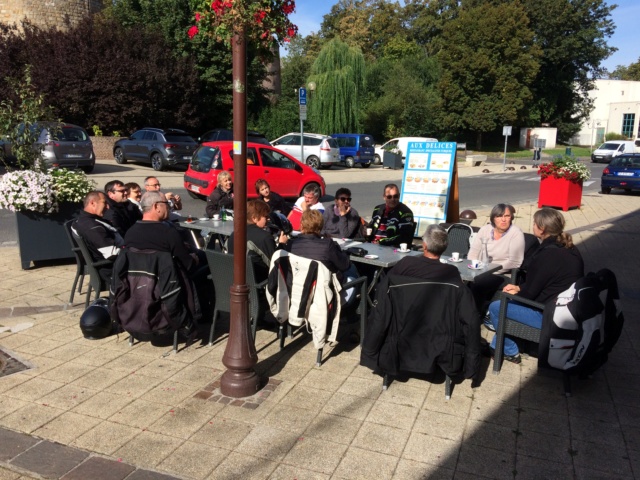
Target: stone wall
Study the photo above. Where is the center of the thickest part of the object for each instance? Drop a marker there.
(103, 147)
(48, 13)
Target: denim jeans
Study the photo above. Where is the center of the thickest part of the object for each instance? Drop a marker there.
(518, 312)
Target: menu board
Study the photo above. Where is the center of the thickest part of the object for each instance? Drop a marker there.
(426, 184)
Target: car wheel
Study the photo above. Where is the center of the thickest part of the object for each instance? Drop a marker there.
(349, 162)
(308, 185)
(313, 162)
(376, 159)
(88, 169)
(366, 165)
(606, 190)
(594, 161)
(119, 156)
(157, 162)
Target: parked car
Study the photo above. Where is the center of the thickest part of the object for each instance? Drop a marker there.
(320, 151)
(161, 148)
(355, 148)
(285, 174)
(401, 143)
(63, 145)
(623, 172)
(224, 134)
(611, 149)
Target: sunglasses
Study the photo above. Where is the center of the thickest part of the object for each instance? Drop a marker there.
(118, 191)
(344, 199)
(154, 185)
(389, 197)
(166, 203)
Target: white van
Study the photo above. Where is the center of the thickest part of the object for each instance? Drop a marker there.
(402, 143)
(611, 149)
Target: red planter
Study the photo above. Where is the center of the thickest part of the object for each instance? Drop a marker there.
(559, 192)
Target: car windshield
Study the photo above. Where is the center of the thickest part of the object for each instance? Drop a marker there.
(625, 162)
(69, 134)
(178, 137)
(609, 146)
(332, 142)
(366, 142)
(205, 159)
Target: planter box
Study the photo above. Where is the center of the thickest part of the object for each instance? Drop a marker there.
(391, 160)
(561, 193)
(42, 236)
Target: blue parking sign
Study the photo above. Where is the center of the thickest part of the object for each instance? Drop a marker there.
(302, 96)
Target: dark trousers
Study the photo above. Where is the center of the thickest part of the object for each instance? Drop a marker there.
(484, 288)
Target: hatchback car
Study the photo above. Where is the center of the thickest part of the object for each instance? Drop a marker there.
(161, 148)
(320, 151)
(286, 175)
(224, 134)
(623, 172)
(63, 145)
(355, 148)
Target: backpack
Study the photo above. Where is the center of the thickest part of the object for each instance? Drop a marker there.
(582, 326)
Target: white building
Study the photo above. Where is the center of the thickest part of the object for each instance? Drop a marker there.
(616, 109)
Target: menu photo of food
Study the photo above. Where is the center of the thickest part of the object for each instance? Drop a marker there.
(418, 161)
(440, 161)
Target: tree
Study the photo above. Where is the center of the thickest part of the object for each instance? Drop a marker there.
(572, 36)
(338, 73)
(631, 72)
(487, 68)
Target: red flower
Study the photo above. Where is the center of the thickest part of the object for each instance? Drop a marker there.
(259, 16)
(198, 16)
(292, 31)
(193, 31)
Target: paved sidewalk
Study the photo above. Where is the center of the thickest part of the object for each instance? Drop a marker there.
(101, 409)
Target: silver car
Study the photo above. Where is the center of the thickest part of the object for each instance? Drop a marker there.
(63, 145)
(161, 148)
(320, 151)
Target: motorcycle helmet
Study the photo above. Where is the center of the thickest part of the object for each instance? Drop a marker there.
(95, 322)
(277, 222)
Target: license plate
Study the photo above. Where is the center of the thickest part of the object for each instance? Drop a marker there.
(73, 155)
(625, 174)
(194, 188)
(186, 157)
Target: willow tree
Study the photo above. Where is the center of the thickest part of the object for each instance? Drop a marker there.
(338, 74)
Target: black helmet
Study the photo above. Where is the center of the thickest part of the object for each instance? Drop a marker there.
(95, 322)
(279, 223)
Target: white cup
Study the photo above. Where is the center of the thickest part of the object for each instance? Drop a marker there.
(475, 263)
(403, 247)
(455, 256)
(369, 231)
(216, 216)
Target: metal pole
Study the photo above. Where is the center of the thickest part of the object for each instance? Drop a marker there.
(240, 379)
(504, 160)
(301, 139)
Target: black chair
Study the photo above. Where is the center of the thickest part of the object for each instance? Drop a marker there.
(81, 265)
(221, 267)
(96, 283)
(459, 239)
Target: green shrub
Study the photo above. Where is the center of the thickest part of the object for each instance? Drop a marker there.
(614, 136)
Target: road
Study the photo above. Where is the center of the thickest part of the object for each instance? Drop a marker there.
(477, 190)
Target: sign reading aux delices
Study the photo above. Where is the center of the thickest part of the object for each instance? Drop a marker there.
(426, 184)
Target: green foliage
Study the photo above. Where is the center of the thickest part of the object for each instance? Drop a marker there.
(18, 118)
(96, 131)
(615, 136)
(630, 72)
(338, 73)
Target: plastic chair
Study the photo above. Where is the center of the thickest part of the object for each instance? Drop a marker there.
(96, 283)
(459, 239)
(81, 265)
(221, 267)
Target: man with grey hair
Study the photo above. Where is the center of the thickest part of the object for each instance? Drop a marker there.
(428, 266)
(154, 233)
(310, 200)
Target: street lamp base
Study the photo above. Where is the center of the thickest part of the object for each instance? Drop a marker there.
(239, 383)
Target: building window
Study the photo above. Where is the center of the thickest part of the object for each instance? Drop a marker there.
(628, 119)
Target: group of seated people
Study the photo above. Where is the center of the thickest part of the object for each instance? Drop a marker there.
(122, 215)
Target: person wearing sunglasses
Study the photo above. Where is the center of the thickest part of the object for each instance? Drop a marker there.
(391, 222)
(120, 213)
(341, 221)
(152, 184)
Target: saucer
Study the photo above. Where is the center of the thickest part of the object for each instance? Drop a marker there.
(403, 251)
(371, 257)
(456, 261)
(479, 267)
(204, 219)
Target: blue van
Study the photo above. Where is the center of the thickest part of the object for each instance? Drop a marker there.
(355, 148)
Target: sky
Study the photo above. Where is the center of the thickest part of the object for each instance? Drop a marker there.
(309, 13)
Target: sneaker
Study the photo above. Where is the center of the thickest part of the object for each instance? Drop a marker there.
(487, 324)
(517, 358)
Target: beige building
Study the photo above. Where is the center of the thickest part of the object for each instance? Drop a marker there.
(48, 13)
(616, 109)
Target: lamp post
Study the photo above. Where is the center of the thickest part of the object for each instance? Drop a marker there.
(240, 378)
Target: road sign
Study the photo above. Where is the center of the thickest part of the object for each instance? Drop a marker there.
(506, 131)
(303, 112)
(302, 96)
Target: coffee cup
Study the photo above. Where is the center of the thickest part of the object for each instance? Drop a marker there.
(216, 216)
(475, 263)
(455, 256)
(369, 231)
(403, 247)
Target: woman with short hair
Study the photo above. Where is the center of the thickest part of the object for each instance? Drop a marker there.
(554, 267)
(275, 201)
(222, 195)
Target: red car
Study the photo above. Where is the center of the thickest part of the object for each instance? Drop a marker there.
(286, 175)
